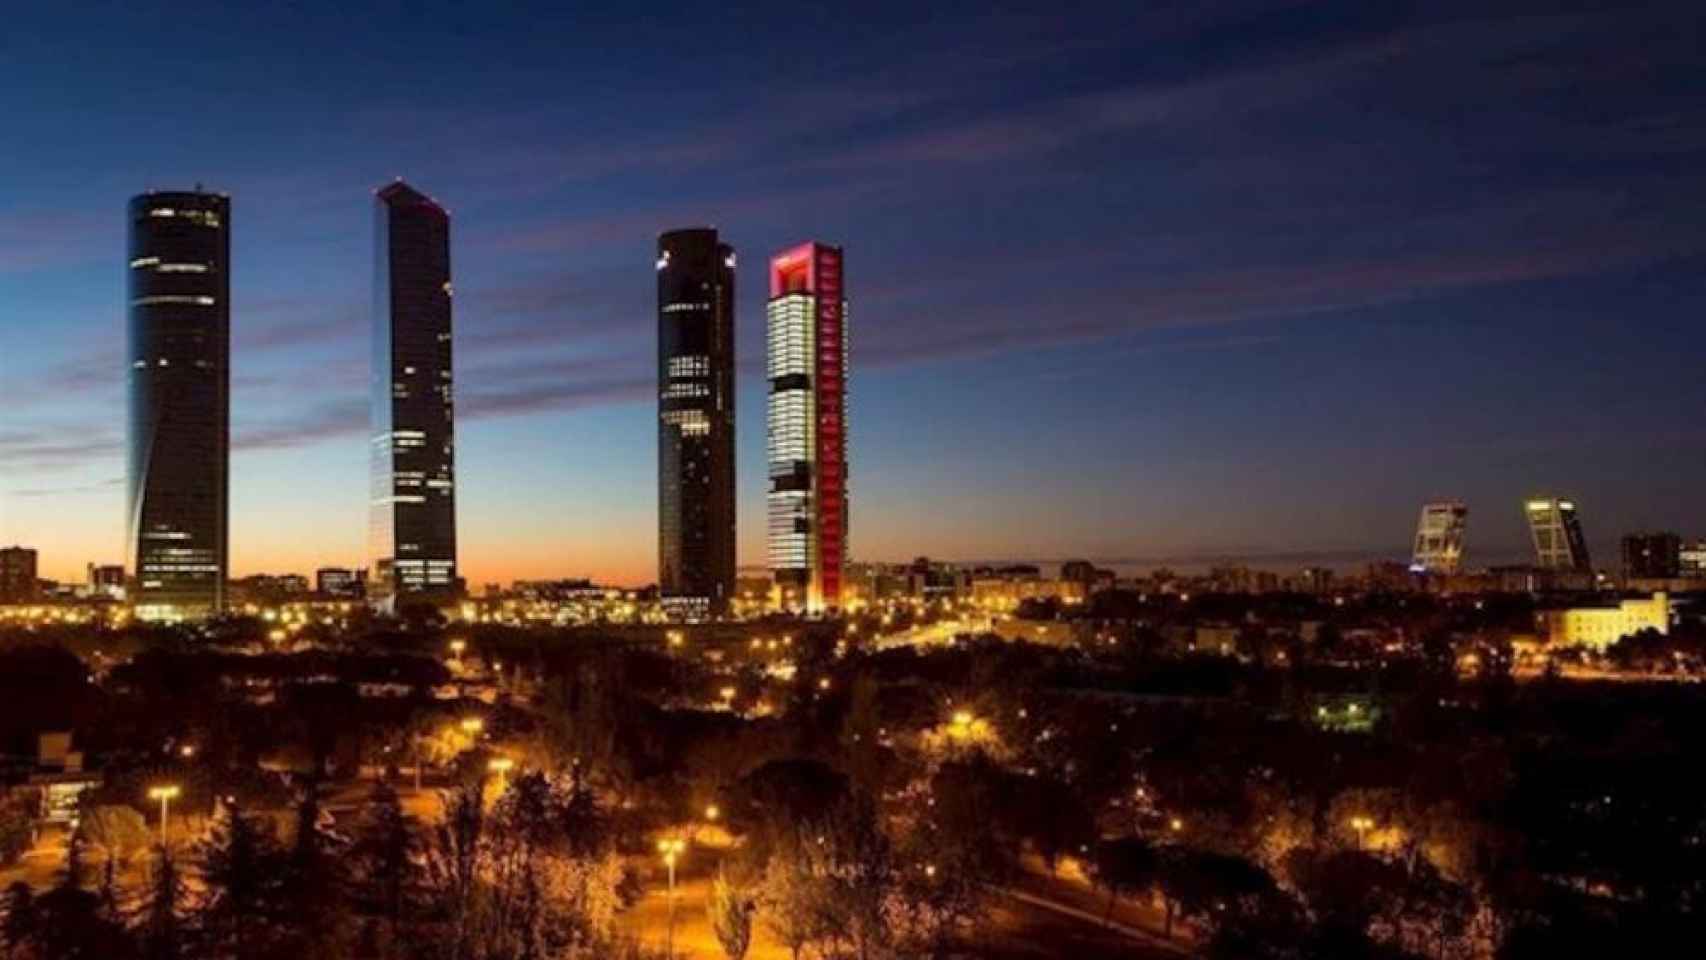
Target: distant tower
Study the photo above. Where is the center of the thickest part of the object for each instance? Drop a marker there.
(412, 518)
(696, 423)
(180, 402)
(1558, 541)
(1439, 538)
(808, 522)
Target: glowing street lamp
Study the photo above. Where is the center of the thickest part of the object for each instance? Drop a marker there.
(456, 648)
(472, 726)
(165, 794)
(713, 813)
(1362, 825)
(671, 850)
(501, 766)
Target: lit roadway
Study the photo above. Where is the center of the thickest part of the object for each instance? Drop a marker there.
(940, 633)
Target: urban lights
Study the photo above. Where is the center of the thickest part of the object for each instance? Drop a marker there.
(501, 766)
(671, 849)
(164, 793)
(1361, 825)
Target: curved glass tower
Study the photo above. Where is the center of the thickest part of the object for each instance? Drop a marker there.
(412, 522)
(696, 422)
(180, 402)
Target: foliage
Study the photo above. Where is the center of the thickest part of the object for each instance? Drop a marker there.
(730, 911)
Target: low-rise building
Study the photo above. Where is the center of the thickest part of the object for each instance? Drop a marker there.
(1601, 626)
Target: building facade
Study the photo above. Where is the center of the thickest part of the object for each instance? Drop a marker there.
(1557, 534)
(179, 442)
(807, 420)
(1652, 556)
(1439, 538)
(1600, 627)
(17, 575)
(696, 423)
(1691, 559)
(412, 520)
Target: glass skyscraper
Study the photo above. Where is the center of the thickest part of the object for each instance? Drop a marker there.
(412, 524)
(179, 445)
(1439, 538)
(1557, 532)
(696, 422)
(807, 418)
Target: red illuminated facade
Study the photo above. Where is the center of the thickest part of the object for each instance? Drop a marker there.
(807, 418)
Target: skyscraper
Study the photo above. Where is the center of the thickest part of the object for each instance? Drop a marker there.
(1558, 541)
(807, 416)
(1439, 538)
(17, 574)
(1652, 556)
(180, 402)
(412, 524)
(696, 422)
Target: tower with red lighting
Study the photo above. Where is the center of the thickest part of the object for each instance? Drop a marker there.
(807, 419)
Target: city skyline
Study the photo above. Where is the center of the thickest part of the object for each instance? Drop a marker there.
(1067, 357)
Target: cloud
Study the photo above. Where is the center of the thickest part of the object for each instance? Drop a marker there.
(37, 241)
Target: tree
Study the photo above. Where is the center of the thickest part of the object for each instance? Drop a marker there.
(17, 823)
(242, 871)
(730, 909)
(792, 896)
(314, 882)
(386, 879)
(162, 918)
(22, 920)
(1125, 867)
(118, 831)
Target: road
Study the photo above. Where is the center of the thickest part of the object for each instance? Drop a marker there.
(1020, 926)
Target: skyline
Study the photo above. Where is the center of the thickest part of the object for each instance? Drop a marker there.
(1293, 319)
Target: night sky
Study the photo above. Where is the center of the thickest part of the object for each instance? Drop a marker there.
(1130, 280)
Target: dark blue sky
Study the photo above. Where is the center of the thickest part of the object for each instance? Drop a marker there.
(1127, 279)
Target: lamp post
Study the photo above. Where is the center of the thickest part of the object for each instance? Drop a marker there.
(501, 766)
(671, 850)
(165, 794)
(1361, 825)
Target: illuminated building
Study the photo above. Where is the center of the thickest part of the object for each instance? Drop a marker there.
(1652, 556)
(696, 423)
(807, 346)
(1439, 538)
(340, 582)
(178, 471)
(1691, 559)
(106, 580)
(1600, 627)
(412, 520)
(1558, 542)
(17, 575)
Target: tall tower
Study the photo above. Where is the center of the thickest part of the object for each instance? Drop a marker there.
(412, 522)
(696, 423)
(1558, 540)
(180, 402)
(807, 418)
(1439, 538)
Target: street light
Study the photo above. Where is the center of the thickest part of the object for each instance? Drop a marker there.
(671, 849)
(473, 725)
(501, 766)
(165, 794)
(1361, 825)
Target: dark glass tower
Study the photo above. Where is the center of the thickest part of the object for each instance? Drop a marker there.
(696, 422)
(412, 525)
(180, 402)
